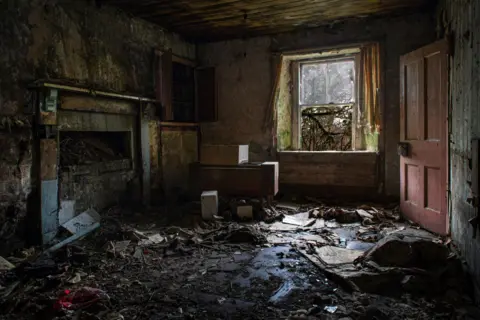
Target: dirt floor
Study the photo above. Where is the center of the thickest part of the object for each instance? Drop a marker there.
(309, 261)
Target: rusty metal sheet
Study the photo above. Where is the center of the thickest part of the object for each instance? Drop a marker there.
(48, 159)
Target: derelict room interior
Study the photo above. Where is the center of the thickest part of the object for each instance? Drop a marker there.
(239, 159)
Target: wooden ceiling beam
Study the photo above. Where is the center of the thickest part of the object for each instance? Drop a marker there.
(207, 18)
(288, 10)
(293, 16)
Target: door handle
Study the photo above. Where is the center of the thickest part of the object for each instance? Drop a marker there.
(403, 149)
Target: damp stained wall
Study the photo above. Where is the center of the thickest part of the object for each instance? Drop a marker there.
(74, 41)
(179, 150)
(245, 80)
(460, 18)
(283, 106)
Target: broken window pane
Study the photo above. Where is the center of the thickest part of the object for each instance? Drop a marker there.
(327, 83)
(327, 128)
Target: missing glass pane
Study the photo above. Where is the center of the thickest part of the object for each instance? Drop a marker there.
(327, 128)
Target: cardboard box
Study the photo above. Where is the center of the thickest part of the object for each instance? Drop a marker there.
(223, 155)
(209, 201)
(270, 177)
(245, 212)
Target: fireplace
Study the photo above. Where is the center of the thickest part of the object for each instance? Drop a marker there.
(96, 160)
(92, 150)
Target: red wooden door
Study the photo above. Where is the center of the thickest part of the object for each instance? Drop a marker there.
(423, 136)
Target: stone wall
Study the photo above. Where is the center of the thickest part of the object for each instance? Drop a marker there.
(245, 77)
(460, 19)
(72, 41)
(15, 184)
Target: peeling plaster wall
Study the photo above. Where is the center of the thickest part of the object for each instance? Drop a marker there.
(63, 39)
(283, 107)
(68, 40)
(461, 18)
(245, 77)
(244, 80)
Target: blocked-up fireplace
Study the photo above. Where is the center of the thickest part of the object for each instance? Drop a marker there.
(96, 158)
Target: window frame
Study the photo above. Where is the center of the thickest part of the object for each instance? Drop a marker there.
(297, 107)
(324, 61)
(163, 78)
(192, 66)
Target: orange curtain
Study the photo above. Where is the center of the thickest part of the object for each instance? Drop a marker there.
(370, 63)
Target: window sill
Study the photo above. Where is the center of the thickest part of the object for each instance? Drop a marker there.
(328, 157)
(327, 152)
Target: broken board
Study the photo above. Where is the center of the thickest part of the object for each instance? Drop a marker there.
(83, 221)
(331, 255)
(299, 219)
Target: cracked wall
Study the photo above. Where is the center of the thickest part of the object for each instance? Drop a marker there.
(459, 18)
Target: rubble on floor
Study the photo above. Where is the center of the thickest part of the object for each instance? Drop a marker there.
(311, 262)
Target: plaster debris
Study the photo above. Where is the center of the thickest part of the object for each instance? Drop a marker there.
(364, 214)
(298, 220)
(118, 247)
(83, 221)
(331, 255)
(152, 240)
(5, 264)
(128, 270)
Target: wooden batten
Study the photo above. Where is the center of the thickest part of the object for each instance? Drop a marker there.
(93, 104)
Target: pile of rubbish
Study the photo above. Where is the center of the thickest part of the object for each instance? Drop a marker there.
(116, 270)
(78, 150)
(65, 267)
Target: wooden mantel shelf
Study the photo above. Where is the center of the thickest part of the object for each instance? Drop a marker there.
(93, 92)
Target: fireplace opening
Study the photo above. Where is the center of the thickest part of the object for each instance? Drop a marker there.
(96, 169)
(90, 147)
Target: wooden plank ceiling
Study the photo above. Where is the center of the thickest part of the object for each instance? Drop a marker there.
(221, 19)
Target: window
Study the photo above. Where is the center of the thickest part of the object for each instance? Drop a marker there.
(328, 100)
(327, 83)
(183, 99)
(186, 93)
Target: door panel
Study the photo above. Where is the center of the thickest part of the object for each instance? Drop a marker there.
(433, 65)
(411, 103)
(412, 185)
(423, 125)
(433, 190)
